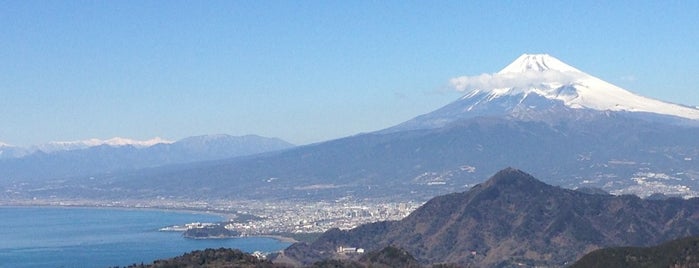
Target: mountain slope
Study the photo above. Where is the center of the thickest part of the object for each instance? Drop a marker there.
(112, 156)
(514, 218)
(212, 258)
(677, 253)
(583, 90)
(56, 146)
(534, 87)
(617, 154)
(9, 151)
(622, 152)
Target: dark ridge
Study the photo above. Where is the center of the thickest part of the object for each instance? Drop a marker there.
(390, 257)
(512, 177)
(513, 219)
(677, 253)
(212, 258)
(592, 190)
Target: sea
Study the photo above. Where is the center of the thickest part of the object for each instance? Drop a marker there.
(99, 237)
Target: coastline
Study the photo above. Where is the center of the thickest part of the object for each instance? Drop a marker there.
(61, 236)
(278, 237)
(224, 215)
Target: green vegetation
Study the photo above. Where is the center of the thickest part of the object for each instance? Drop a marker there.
(513, 219)
(213, 231)
(386, 258)
(676, 253)
(211, 258)
(390, 257)
(222, 257)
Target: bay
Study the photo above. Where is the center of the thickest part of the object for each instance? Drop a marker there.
(97, 237)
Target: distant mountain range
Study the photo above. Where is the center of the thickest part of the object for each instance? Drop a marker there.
(9, 151)
(538, 113)
(73, 159)
(513, 219)
(617, 154)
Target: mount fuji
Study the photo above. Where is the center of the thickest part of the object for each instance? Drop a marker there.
(541, 87)
(537, 114)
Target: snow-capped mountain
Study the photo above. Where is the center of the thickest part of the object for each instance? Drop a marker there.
(77, 158)
(539, 84)
(83, 144)
(537, 114)
(9, 151)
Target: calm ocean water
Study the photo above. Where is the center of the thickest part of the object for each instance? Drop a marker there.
(92, 237)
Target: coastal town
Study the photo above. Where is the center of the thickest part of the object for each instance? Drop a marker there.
(315, 217)
(259, 218)
(266, 218)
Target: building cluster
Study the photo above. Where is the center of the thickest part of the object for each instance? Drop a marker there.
(188, 226)
(254, 217)
(313, 217)
(349, 250)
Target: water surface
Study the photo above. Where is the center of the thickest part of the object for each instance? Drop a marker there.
(96, 237)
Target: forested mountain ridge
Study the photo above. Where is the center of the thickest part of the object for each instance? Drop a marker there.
(514, 218)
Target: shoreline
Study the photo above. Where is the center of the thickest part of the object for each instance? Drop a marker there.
(278, 238)
(282, 239)
(224, 215)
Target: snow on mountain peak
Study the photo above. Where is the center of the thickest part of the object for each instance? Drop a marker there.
(546, 76)
(538, 63)
(82, 144)
(118, 141)
(526, 72)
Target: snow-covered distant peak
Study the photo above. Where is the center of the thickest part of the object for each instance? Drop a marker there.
(117, 141)
(82, 144)
(526, 72)
(546, 76)
(11, 151)
(538, 63)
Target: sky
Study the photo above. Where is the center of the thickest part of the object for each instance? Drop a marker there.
(307, 71)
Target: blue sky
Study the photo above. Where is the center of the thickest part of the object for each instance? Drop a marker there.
(306, 71)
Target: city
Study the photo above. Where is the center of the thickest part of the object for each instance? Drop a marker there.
(316, 217)
(260, 218)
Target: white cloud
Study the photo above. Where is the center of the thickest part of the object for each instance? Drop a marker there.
(512, 80)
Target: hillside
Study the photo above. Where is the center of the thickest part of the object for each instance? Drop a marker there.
(212, 258)
(223, 257)
(105, 158)
(513, 219)
(603, 151)
(565, 126)
(677, 253)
